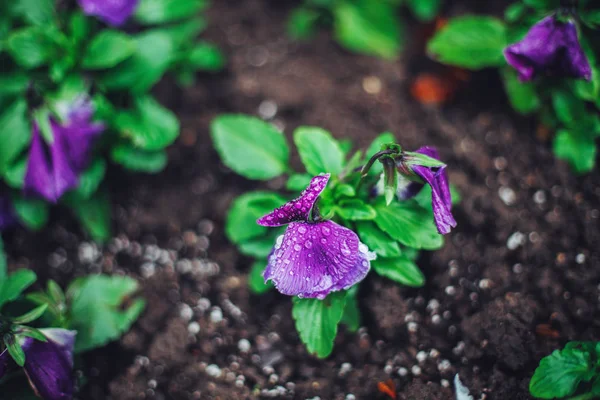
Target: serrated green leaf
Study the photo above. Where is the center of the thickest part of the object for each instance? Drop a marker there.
(368, 27)
(317, 321)
(409, 224)
(399, 269)
(139, 160)
(97, 312)
(473, 42)
(107, 49)
(256, 282)
(251, 147)
(241, 223)
(319, 151)
(377, 240)
(559, 374)
(355, 210)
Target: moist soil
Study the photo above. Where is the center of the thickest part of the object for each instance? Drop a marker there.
(515, 280)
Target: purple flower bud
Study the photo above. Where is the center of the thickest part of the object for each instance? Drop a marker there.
(437, 178)
(113, 12)
(52, 169)
(48, 365)
(313, 258)
(551, 46)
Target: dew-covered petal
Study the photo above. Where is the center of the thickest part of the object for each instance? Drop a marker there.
(49, 365)
(314, 259)
(112, 12)
(298, 209)
(49, 173)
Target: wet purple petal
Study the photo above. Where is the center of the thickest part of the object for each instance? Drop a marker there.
(550, 46)
(298, 209)
(314, 259)
(440, 191)
(49, 173)
(113, 12)
(49, 365)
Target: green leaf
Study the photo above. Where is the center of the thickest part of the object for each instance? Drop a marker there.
(351, 316)
(79, 27)
(32, 212)
(14, 176)
(15, 133)
(36, 12)
(241, 220)
(3, 266)
(302, 23)
(93, 213)
(150, 126)
(390, 180)
(206, 56)
(473, 42)
(107, 49)
(14, 349)
(33, 333)
(399, 269)
(409, 224)
(31, 315)
(569, 109)
(152, 12)
(298, 182)
(91, 178)
(368, 27)
(344, 190)
(261, 246)
(317, 321)
(139, 160)
(355, 210)
(55, 292)
(319, 151)
(425, 10)
(97, 312)
(15, 284)
(155, 52)
(559, 374)
(514, 12)
(31, 47)
(184, 32)
(249, 146)
(376, 240)
(424, 160)
(543, 4)
(578, 151)
(522, 95)
(256, 282)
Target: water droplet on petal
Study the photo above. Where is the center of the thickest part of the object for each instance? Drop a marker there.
(302, 229)
(323, 240)
(363, 248)
(297, 247)
(308, 244)
(326, 231)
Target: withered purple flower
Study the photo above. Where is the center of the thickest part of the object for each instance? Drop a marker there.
(54, 168)
(313, 257)
(437, 178)
(550, 47)
(113, 12)
(48, 365)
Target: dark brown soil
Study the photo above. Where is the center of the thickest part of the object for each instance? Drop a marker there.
(517, 278)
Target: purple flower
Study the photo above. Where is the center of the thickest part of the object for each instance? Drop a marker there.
(52, 169)
(313, 257)
(437, 178)
(48, 365)
(550, 46)
(113, 12)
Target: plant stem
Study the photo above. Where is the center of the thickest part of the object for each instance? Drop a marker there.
(367, 167)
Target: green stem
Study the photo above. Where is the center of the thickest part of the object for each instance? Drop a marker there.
(365, 170)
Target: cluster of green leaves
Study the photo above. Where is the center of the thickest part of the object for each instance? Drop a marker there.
(363, 26)
(568, 107)
(49, 54)
(572, 373)
(395, 232)
(94, 306)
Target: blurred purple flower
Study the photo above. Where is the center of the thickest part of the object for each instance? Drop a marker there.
(48, 365)
(437, 178)
(112, 12)
(550, 46)
(52, 169)
(313, 258)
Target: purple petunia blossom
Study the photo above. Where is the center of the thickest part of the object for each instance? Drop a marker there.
(437, 178)
(52, 169)
(550, 46)
(113, 12)
(313, 258)
(48, 365)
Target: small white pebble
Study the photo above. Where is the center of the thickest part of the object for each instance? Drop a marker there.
(273, 378)
(434, 353)
(436, 319)
(402, 371)
(185, 312)
(345, 368)
(444, 366)
(213, 370)
(244, 345)
(485, 284)
(539, 197)
(507, 195)
(152, 384)
(267, 109)
(216, 315)
(445, 383)
(350, 396)
(413, 327)
(421, 356)
(580, 258)
(517, 268)
(148, 269)
(433, 305)
(450, 290)
(515, 240)
(416, 370)
(194, 328)
(388, 369)
(500, 163)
